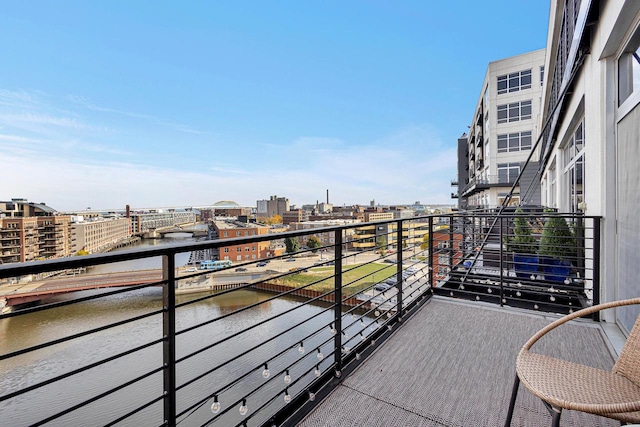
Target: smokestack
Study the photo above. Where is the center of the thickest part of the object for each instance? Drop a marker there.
(327, 196)
(128, 211)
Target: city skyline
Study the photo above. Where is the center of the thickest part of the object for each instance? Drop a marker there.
(104, 105)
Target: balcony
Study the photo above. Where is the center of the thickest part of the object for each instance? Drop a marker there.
(454, 195)
(454, 182)
(483, 183)
(267, 345)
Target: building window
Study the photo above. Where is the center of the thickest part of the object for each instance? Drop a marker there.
(552, 185)
(514, 112)
(239, 258)
(225, 234)
(508, 172)
(246, 248)
(514, 82)
(253, 248)
(629, 70)
(226, 250)
(541, 75)
(238, 249)
(518, 141)
(573, 154)
(238, 233)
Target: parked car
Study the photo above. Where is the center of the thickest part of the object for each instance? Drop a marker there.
(391, 281)
(241, 269)
(389, 261)
(191, 270)
(381, 287)
(289, 260)
(261, 264)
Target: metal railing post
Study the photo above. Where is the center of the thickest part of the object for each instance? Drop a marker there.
(501, 262)
(451, 243)
(596, 266)
(399, 257)
(337, 294)
(169, 335)
(431, 251)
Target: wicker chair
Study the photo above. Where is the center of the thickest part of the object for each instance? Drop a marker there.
(566, 385)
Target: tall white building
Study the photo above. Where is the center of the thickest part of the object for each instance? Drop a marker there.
(502, 132)
(591, 151)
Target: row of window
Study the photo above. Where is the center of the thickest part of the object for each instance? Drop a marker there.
(239, 249)
(514, 111)
(512, 142)
(239, 233)
(514, 82)
(239, 257)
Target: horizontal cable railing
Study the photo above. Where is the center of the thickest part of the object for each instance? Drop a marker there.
(251, 342)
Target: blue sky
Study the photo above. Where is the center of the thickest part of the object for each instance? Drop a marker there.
(152, 104)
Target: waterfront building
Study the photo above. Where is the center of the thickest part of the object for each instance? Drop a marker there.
(23, 208)
(501, 135)
(34, 238)
(229, 229)
(99, 234)
(143, 222)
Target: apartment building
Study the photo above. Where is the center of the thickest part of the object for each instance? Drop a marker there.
(34, 238)
(503, 130)
(142, 222)
(98, 235)
(229, 229)
(327, 239)
(368, 236)
(23, 208)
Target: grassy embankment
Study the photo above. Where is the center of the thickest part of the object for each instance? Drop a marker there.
(350, 273)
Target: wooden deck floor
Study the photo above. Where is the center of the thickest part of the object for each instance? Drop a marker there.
(453, 364)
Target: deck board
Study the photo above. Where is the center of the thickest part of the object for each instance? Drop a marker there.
(453, 364)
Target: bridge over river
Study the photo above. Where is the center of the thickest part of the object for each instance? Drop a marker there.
(24, 293)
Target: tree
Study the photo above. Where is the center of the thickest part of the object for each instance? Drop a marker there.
(425, 242)
(381, 243)
(292, 244)
(522, 242)
(314, 243)
(273, 219)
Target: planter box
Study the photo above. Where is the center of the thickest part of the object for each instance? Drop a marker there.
(556, 270)
(526, 265)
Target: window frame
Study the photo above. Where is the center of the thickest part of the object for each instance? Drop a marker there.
(513, 82)
(513, 111)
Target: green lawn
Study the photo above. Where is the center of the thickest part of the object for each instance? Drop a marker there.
(350, 273)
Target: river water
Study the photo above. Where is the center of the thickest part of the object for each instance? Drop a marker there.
(34, 367)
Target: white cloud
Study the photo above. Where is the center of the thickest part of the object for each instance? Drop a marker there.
(64, 159)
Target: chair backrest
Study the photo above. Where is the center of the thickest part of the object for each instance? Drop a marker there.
(628, 363)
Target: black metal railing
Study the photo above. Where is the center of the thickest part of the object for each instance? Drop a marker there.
(536, 260)
(178, 345)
